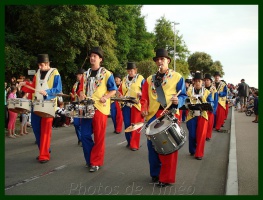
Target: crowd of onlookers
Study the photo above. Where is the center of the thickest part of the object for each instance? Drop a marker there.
(244, 98)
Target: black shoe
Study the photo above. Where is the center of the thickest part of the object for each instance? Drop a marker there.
(43, 161)
(198, 158)
(117, 132)
(133, 149)
(80, 143)
(155, 179)
(160, 184)
(191, 154)
(218, 130)
(37, 158)
(207, 139)
(127, 146)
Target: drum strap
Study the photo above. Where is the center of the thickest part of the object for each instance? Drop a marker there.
(160, 94)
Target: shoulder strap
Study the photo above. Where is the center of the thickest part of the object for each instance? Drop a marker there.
(160, 94)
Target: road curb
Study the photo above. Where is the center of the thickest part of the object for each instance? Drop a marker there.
(232, 177)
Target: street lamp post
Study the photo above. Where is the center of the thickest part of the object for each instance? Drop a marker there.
(175, 44)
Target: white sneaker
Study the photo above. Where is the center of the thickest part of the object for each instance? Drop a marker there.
(94, 168)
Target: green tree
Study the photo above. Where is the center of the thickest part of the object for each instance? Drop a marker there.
(217, 66)
(200, 61)
(164, 38)
(146, 68)
(66, 33)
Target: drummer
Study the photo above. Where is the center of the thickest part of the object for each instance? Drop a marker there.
(208, 85)
(197, 121)
(47, 82)
(221, 88)
(162, 167)
(132, 87)
(115, 110)
(74, 97)
(97, 83)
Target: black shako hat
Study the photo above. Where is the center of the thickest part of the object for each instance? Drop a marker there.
(131, 65)
(42, 58)
(208, 76)
(217, 74)
(197, 75)
(117, 76)
(161, 53)
(188, 80)
(96, 50)
(80, 71)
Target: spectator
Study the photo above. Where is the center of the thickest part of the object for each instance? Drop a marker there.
(7, 89)
(23, 118)
(60, 117)
(243, 92)
(256, 106)
(12, 115)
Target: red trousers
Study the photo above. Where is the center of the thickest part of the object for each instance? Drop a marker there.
(119, 118)
(169, 164)
(99, 125)
(220, 117)
(135, 135)
(210, 124)
(45, 138)
(200, 136)
(12, 120)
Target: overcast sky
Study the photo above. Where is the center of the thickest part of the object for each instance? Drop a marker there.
(228, 33)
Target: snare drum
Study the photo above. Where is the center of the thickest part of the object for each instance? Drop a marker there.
(11, 105)
(166, 136)
(80, 111)
(44, 108)
(23, 105)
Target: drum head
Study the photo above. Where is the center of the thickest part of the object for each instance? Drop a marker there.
(157, 126)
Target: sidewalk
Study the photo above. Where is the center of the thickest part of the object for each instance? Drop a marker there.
(243, 160)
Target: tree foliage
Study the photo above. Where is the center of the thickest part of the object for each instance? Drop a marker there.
(67, 33)
(200, 61)
(164, 38)
(217, 66)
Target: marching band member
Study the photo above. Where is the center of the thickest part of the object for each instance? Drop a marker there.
(162, 167)
(208, 85)
(183, 113)
(197, 121)
(74, 97)
(221, 108)
(97, 83)
(131, 87)
(116, 113)
(47, 82)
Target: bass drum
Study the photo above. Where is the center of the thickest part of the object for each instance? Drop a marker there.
(166, 136)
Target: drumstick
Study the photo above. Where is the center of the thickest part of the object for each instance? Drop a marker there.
(168, 106)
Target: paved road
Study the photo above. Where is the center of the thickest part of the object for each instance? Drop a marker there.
(125, 172)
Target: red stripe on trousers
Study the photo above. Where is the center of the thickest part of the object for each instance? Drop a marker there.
(169, 164)
(136, 117)
(45, 138)
(220, 116)
(119, 117)
(210, 124)
(99, 124)
(201, 130)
